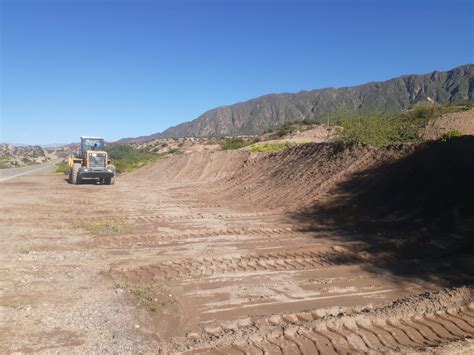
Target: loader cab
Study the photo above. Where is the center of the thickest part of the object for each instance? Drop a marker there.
(91, 143)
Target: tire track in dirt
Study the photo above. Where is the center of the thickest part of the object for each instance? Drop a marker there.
(416, 324)
(280, 260)
(276, 234)
(198, 246)
(146, 218)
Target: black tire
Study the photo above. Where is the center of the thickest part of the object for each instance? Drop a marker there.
(109, 181)
(74, 179)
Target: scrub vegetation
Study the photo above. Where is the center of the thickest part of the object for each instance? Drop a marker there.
(236, 143)
(450, 135)
(126, 158)
(382, 128)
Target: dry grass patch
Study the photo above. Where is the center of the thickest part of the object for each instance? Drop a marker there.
(143, 294)
(18, 306)
(146, 298)
(104, 226)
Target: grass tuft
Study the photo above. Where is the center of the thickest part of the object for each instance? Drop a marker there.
(143, 294)
(25, 250)
(104, 226)
(145, 297)
(450, 135)
(18, 306)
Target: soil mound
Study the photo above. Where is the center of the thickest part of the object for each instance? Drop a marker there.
(429, 181)
(459, 121)
(408, 197)
(432, 184)
(195, 167)
(298, 177)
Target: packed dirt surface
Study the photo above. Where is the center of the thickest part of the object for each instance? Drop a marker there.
(243, 253)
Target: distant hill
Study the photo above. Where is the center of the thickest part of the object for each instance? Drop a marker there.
(272, 111)
(16, 156)
(13, 157)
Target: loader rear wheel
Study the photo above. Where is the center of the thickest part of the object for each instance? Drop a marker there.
(109, 180)
(73, 178)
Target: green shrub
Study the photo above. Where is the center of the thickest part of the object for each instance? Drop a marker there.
(310, 121)
(287, 128)
(3, 164)
(428, 112)
(271, 147)
(450, 134)
(233, 143)
(126, 158)
(376, 129)
(174, 151)
(62, 168)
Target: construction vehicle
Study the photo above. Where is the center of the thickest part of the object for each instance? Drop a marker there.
(92, 162)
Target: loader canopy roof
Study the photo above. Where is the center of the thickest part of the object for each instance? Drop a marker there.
(91, 143)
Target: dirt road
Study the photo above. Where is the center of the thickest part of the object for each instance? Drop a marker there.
(183, 256)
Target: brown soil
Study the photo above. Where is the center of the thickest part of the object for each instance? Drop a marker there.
(459, 121)
(237, 252)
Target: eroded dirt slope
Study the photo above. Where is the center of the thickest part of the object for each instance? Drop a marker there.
(223, 252)
(462, 122)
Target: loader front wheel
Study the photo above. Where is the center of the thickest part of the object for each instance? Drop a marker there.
(73, 177)
(109, 180)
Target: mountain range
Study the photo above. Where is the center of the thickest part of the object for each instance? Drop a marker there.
(272, 111)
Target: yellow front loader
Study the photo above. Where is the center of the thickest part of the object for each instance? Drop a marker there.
(92, 162)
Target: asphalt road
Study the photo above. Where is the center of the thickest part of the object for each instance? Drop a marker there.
(49, 167)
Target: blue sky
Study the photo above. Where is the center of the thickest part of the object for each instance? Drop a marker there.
(128, 68)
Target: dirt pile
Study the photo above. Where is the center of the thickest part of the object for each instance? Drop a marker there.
(432, 184)
(196, 167)
(297, 177)
(291, 179)
(411, 196)
(462, 122)
(427, 180)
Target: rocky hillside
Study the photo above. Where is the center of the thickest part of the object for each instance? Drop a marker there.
(12, 156)
(271, 111)
(17, 156)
